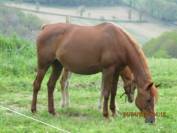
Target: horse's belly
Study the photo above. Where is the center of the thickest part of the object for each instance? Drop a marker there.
(84, 70)
(81, 63)
(81, 68)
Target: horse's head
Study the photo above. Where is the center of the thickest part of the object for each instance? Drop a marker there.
(145, 101)
(129, 89)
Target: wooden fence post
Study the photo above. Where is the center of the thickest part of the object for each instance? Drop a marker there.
(68, 19)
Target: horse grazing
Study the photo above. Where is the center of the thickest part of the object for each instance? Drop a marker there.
(126, 75)
(105, 48)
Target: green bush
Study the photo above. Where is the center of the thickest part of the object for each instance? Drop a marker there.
(17, 56)
(164, 46)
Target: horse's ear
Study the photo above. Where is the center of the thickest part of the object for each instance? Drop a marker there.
(157, 85)
(149, 86)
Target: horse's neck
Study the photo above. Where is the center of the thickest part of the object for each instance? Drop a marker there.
(140, 69)
(138, 64)
(136, 60)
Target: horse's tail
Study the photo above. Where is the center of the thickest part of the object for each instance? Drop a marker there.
(43, 26)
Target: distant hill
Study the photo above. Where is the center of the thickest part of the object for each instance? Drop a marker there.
(164, 46)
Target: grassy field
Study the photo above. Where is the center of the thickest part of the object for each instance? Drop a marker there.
(17, 72)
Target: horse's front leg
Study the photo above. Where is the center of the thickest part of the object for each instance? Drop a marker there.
(113, 93)
(108, 75)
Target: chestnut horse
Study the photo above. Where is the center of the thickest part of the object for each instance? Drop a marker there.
(105, 48)
(126, 75)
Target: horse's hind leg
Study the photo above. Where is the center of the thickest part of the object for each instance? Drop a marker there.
(100, 100)
(56, 71)
(113, 93)
(36, 86)
(67, 91)
(64, 82)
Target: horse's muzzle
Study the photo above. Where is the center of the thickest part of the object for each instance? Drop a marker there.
(150, 120)
(130, 100)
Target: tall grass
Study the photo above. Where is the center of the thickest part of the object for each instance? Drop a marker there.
(17, 56)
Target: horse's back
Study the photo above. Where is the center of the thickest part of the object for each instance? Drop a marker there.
(49, 31)
(87, 48)
(82, 49)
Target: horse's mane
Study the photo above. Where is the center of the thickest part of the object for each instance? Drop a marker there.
(140, 52)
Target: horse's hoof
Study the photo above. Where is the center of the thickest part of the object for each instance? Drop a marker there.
(56, 114)
(65, 105)
(33, 110)
(114, 114)
(52, 112)
(62, 105)
(106, 115)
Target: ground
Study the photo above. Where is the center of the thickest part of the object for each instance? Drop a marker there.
(82, 115)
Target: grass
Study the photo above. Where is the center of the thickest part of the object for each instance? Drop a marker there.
(17, 72)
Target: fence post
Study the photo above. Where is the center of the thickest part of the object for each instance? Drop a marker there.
(68, 19)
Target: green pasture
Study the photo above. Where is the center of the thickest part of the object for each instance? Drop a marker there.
(17, 72)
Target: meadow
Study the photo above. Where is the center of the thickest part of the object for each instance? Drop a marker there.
(17, 72)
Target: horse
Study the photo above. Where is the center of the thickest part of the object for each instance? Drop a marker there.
(129, 83)
(86, 50)
(126, 75)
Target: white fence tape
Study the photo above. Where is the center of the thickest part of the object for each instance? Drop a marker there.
(34, 119)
